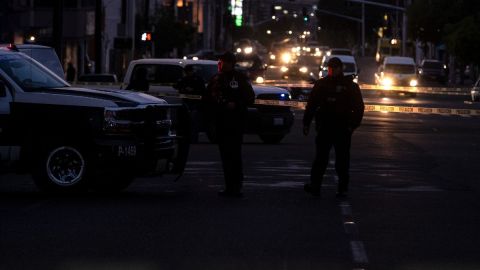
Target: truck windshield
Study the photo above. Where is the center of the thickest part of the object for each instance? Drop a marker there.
(400, 68)
(205, 71)
(28, 74)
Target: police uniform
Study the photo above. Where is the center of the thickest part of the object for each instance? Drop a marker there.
(229, 123)
(336, 104)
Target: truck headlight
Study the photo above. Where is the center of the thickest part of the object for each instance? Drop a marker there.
(286, 57)
(303, 70)
(413, 83)
(387, 81)
(112, 123)
(283, 69)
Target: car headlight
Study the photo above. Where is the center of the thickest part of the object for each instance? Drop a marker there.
(260, 79)
(413, 83)
(248, 50)
(112, 123)
(283, 69)
(239, 50)
(272, 57)
(286, 58)
(387, 81)
(303, 70)
(355, 80)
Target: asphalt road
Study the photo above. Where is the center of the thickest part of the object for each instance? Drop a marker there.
(414, 204)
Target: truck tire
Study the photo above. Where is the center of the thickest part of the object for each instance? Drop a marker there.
(61, 168)
(272, 139)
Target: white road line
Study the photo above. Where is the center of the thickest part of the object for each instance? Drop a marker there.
(346, 209)
(358, 252)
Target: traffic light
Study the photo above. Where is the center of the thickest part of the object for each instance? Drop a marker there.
(146, 36)
(305, 14)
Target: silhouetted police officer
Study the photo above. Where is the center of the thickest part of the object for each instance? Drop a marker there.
(228, 95)
(337, 105)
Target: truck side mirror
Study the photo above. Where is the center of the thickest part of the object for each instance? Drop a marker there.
(3, 89)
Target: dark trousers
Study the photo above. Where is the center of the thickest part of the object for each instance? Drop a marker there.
(340, 139)
(230, 145)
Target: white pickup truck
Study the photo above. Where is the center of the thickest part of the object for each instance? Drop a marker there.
(271, 123)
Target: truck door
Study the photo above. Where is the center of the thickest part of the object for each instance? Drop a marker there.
(5, 99)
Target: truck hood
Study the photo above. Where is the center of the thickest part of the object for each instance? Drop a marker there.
(89, 97)
(260, 89)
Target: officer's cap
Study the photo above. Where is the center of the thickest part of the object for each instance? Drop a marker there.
(335, 62)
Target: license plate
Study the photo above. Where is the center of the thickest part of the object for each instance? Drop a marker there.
(278, 121)
(127, 150)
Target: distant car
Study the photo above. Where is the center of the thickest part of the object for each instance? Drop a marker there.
(432, 70)
(397, 71)
(42, 54)
(339, 51)
(271, 123)
(252, 65)
(350, 67)
(476, 91)
(303, 67)
(98, 78)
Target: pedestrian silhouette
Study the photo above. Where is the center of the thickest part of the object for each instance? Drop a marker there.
(337, 105)
(227, 98)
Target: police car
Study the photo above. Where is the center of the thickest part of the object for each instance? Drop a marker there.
(73, 139)
(271, 123)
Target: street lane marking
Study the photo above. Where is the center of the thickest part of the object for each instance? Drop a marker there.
(358, 252)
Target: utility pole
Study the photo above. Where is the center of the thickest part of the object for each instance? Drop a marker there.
(98, 35)
(402, 9)
(58, 27)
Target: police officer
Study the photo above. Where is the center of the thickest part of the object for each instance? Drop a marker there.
(337, 105)
(228, 95)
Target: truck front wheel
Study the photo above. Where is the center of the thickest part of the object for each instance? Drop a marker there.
(61, 168)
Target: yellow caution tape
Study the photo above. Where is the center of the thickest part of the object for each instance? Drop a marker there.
(452, 91)
(381, 108)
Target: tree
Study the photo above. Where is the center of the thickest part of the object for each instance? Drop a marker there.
(169, 33)
(428, 18)
(463, 38)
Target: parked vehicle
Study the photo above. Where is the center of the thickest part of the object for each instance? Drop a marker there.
(350, 67)
(73, 139)
(397, 71)
(432, 70)
(271, 123)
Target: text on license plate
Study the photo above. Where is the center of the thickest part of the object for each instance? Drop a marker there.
(127, 150)
(278, 121)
